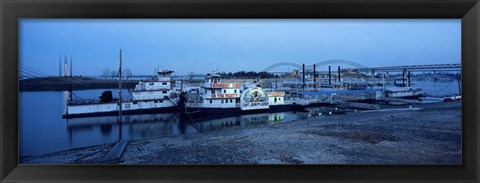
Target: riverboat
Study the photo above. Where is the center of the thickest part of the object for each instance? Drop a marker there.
(217, 97)
(404, 92)
(147, 97)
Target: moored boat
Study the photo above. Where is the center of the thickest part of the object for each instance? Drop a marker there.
(404, 92)
(147, 97)
(221, 98)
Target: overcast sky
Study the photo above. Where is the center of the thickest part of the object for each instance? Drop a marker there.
(202, 45)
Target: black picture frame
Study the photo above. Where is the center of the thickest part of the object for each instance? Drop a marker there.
(12, 11)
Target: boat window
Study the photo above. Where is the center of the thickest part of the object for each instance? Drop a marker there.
(211, 80)
(219, 80)
(234, 91)
(213, 91)
(150, 83)
(222, 101)
(156, 101)
(210, 101)
(164, 91)
(275, 99)
(135, 102)
(164, 83)
(161, 101)
(224, 91)
(230, 100)
(226, 101)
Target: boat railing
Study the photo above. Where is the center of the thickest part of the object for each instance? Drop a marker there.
(193, 104)
(94, 100)
(90, 100)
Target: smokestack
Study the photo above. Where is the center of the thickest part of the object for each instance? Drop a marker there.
(338, 73)
(329, 76)
(71, 67)
(314, 77)
(303, 77)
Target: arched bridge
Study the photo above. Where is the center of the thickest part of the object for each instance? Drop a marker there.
(269, 68)
(346, 62)
(322, 63)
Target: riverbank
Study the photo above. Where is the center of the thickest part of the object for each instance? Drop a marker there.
(429, 135)
(71, 83)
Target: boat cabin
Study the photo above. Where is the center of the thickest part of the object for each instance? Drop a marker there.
(157, 89)
(216, 93)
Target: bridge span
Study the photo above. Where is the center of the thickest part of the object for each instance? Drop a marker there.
(416, 67)
(363, 68)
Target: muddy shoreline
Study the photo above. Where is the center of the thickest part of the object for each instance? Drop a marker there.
(430, 135)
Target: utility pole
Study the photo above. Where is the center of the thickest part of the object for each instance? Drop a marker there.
(383, 83)
(408, 76)
(71, 66)
(329, 76)
(59, 65)
(303, 77)
(120, 88)
(314, 78)
(339, 74)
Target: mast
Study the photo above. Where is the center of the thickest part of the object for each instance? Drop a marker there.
(120, 87)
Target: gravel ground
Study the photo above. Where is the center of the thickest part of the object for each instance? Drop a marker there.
(431, 135)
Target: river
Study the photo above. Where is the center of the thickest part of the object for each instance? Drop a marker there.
(43, 130)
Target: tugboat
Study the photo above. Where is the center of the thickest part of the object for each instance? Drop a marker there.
(147, 97)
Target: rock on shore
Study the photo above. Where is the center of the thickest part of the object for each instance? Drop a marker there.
(431, 135)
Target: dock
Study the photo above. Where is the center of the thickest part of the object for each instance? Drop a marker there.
(114, 155)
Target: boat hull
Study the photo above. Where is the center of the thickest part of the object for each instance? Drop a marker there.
(126, 112)
(205, 111)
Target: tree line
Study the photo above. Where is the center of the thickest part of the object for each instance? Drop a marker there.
(246, 75)
(112, 74)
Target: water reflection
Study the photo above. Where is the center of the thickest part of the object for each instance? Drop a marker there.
(134, 127)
